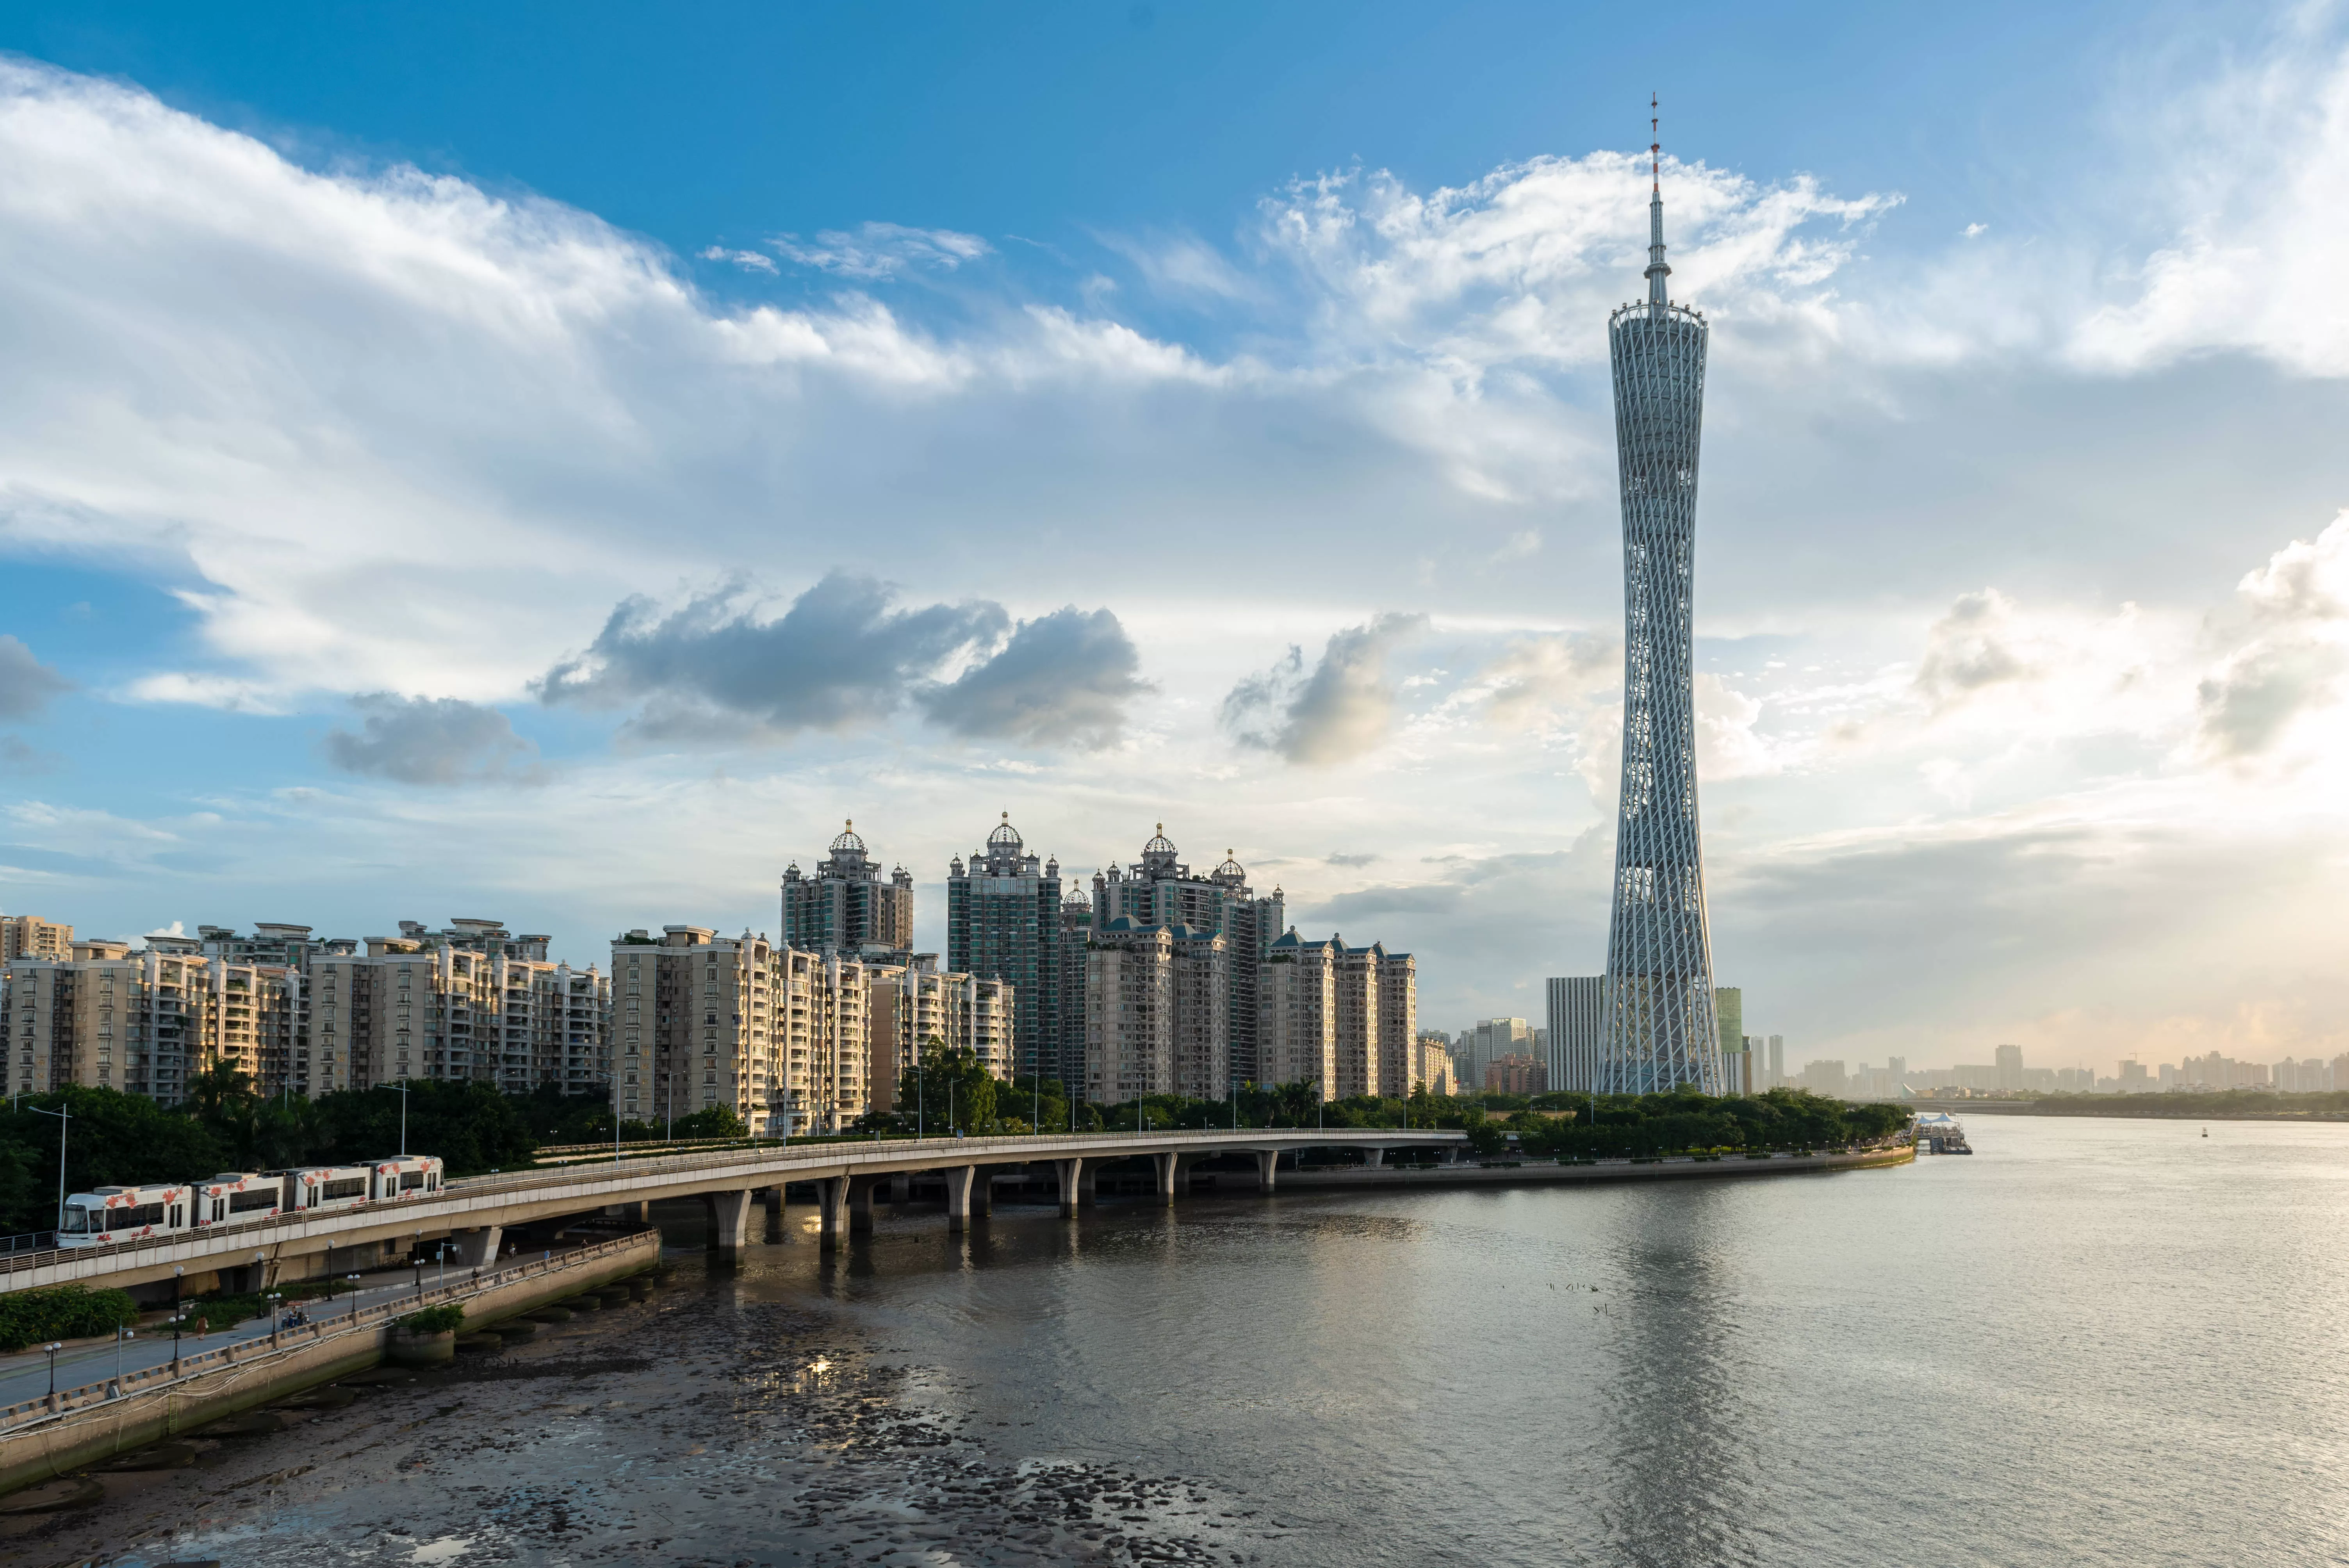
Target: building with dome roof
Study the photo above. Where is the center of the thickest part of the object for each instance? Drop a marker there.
(847, 906)
(1004, 923)
(1159, 889)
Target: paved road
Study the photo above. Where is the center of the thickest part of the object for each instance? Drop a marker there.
(25, 1375)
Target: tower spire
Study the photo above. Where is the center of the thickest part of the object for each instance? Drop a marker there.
(1657, 271)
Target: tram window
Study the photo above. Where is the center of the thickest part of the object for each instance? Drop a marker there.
(259, 1198)
(77, 1219)
(132, 1218)
(410, 1179)
(348, 1187)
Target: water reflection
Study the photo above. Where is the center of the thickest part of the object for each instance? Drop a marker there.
(1681, 1478)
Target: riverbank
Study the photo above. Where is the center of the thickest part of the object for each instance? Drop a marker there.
(2236, 1105)
(46, 1438)
(1678, 1167)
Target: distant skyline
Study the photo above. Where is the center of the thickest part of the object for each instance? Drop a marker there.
(553, 464)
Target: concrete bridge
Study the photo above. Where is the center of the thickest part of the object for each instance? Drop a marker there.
(478, 1212)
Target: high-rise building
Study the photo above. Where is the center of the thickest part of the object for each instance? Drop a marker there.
(1432, 1064)
(847, 906)
(30, 936)
(1484, 1042)
(1777, 1062)
(915, 1006)
(1296, 1014)
(1660, 1028)
(1160, 890)
(1157, 1011)
(694, 1014)
(1577, 1027)
(1004, 923)
(144, 1022)
(1516, 1074)
(1737, 1074)
(2009, 1061)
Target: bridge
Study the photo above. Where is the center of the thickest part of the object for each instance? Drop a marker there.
(478, 1211)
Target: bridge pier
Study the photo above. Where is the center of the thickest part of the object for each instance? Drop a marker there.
(636, 1213)
(982, 1192)
(1088, 1181)
(832, 1202)
(901, 1187)
(771, 1198)
(476, 1249)
(960, 1179)
(731, 1215)
(1070, 1171)
(1374, 1157)
(1169, 1166)
(860, 1204)
(1267, 1163)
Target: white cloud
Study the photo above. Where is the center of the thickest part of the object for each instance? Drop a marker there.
(878, 250)
(749, 261)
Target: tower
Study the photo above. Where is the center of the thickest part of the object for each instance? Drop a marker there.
(846, 907)
(1004, 921)
(1661, 1027)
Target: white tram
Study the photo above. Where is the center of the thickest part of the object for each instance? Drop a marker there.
(314, 1187)
(236, 1195)
(107, 1215)
(111, 1214)
(402, 1177)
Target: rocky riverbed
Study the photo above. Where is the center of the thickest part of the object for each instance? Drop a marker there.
(704, 1426)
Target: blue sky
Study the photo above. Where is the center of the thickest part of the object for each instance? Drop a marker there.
(551, 462)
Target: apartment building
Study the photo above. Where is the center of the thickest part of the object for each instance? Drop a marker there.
(146, 1022)
(1432, 1064)
(695, 1027)
(917, 1004)
(30, 936)
(1296, 1014)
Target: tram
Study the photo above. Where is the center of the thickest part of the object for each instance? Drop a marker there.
(105, 1215)
(400, 1177)
(110, 1214)
(236, 1195)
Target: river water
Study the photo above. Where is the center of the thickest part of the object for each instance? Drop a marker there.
(2093, 1342)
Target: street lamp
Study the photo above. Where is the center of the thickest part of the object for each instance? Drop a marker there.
(402, 1086)
(176, 1317)
(354, 1280)
(274, 1297)
(64, 1124)
(53, 1347)
(120, 1334)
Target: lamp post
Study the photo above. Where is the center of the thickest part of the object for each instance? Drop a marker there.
(64, 1124)
(177, 1317)
(274, 1297)
(120, 1334)
(53, 1347)
(354, 1280)
(402, 1086)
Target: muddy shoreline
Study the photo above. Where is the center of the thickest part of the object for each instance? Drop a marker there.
(700, 1427)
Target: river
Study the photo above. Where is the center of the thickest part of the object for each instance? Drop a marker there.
(2090, 1343)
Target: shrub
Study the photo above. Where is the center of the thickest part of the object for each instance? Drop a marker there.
(434, 1320)
(62, 1311)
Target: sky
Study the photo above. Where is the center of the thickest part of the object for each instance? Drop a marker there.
(556, 463)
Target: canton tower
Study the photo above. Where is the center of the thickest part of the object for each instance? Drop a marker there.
(1660, 1029)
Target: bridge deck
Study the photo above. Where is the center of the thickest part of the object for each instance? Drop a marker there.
(517, 1197)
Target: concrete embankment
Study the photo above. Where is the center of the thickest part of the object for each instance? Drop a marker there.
(45, 1437)
(1529, 1173)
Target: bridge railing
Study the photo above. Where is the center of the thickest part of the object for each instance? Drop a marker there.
(961, 1151)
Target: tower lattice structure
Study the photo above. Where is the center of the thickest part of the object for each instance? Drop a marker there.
(1661, 1027)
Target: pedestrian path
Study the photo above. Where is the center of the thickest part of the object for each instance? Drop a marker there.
(25, 1374)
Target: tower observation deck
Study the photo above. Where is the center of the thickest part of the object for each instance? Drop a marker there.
(1661, 1027)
